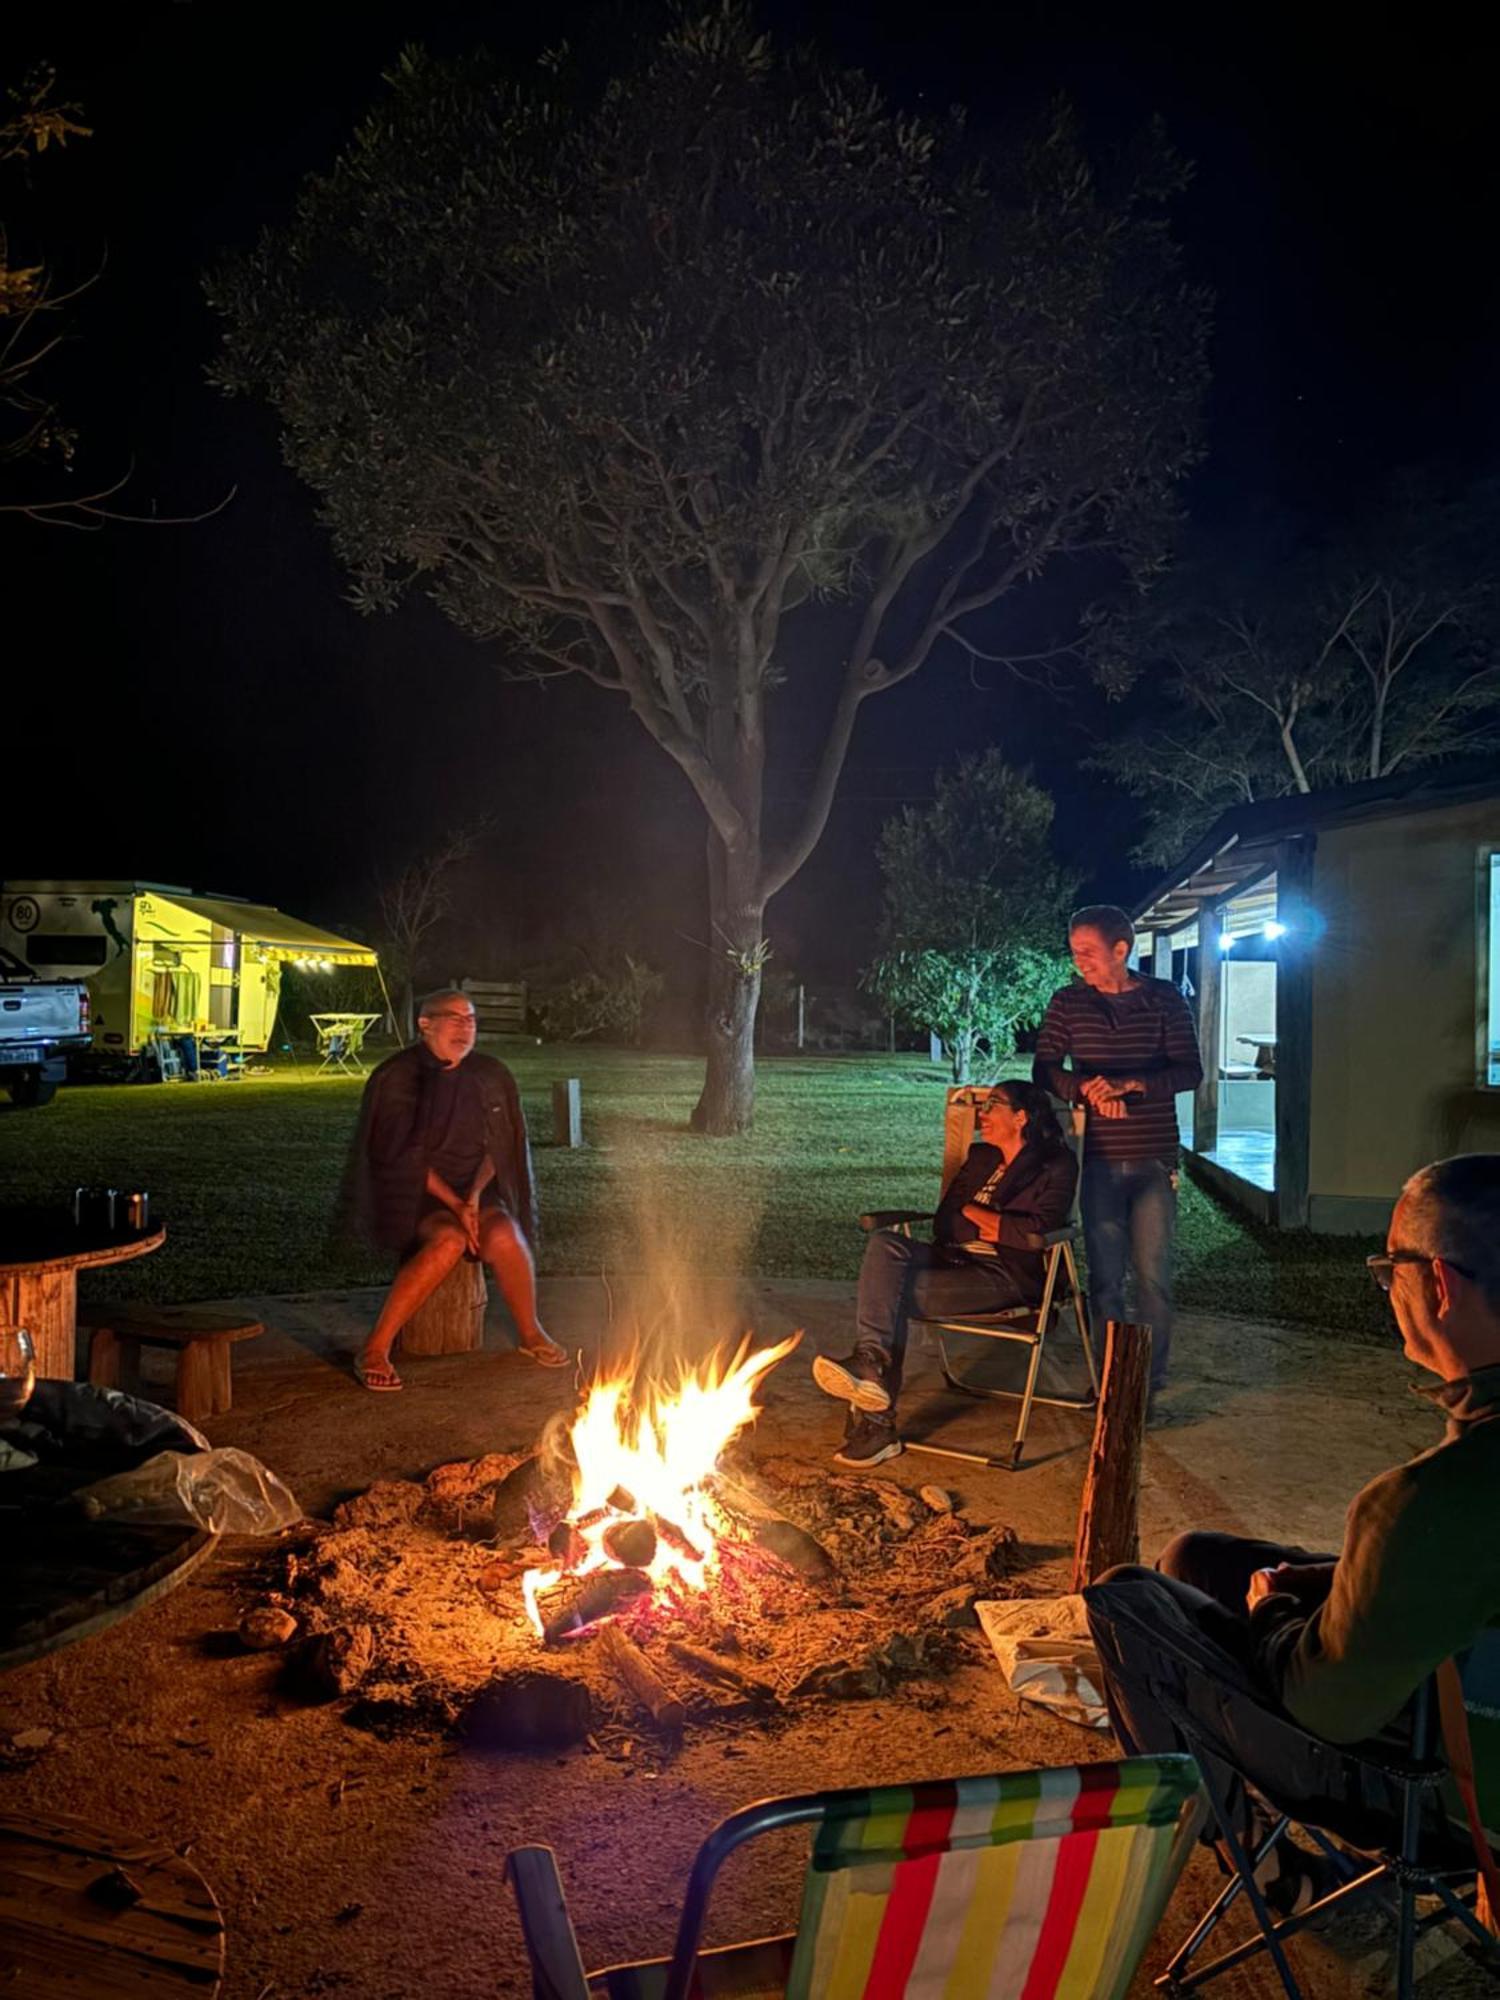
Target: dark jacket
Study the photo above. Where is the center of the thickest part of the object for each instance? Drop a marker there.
(385, 1181)
(1417, 1581)
(1033, 1195)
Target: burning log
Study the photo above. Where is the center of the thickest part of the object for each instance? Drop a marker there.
(630, 1543)
(531, 1499)
(714, 1667)
(773, 1532)
(636, 1673)
(568, 1545)
(675, 1539)
(595, 1597)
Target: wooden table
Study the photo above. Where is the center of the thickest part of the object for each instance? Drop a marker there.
(40, 1258)
(95, 1914)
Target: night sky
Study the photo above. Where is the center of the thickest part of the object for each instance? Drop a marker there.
(201, 705)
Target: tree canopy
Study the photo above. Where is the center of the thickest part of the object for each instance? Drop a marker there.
(1253, 674)
(626, 376)
(975, 911)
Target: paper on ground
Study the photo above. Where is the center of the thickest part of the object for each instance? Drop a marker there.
(1046, 1654)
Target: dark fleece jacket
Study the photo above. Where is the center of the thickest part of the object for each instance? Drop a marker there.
(386, 1176)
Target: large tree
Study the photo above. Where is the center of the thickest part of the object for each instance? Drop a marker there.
(626, 377)
(1253, 673)
(975, 909)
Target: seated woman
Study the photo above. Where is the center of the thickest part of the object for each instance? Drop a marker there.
(986, 1253)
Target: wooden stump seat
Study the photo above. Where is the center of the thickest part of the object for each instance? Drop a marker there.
(201, 1338)
(452, 1320)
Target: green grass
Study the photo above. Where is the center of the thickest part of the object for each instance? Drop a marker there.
(245, 1174)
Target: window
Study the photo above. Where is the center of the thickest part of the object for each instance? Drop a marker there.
(1490, 973)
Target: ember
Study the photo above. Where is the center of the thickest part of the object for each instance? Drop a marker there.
(640, 1458)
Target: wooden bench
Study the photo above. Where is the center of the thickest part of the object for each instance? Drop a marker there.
(200, 1337)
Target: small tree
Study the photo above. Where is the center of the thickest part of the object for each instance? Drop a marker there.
(975, 908)
(626, 377)
(414, 900)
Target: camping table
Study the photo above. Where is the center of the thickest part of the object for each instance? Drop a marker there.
(340, 1039)
(41, 1255)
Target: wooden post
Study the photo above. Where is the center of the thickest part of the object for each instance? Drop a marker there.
(1210, 980)
(1294, 1030)
(452, 1321)
(1109, 1518)
(801, 1014)
(567, 1112)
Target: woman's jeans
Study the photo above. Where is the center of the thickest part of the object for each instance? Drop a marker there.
(1129, 1213)
(901, 1277)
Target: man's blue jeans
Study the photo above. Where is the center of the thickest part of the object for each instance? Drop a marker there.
(1129, 1213)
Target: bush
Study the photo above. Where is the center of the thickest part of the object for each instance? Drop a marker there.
(600, 1007)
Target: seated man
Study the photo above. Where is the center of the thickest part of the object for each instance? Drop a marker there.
(441, 1169)
(986, 1254)
(1343, 1642)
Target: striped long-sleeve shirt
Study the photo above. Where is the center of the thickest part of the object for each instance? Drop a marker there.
(1145, 1032)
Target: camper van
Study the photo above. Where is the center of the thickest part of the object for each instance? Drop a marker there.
(161, 961)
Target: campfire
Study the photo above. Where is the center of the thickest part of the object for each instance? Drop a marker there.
(642, 1518)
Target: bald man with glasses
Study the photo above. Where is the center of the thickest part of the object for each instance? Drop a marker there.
(1344, 1641)
(440, 1170)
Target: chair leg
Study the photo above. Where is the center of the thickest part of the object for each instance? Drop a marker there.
(1019, 1445)
(1244, 1868)
(1081, 1317)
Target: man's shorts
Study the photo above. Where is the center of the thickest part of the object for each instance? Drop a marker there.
(491, 1202)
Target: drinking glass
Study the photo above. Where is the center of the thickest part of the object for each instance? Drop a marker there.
(17, 1371)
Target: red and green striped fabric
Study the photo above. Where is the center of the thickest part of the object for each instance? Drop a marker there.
(1035, 1885)
(1029, 1885)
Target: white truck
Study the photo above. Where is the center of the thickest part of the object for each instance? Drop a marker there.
(42, 1021)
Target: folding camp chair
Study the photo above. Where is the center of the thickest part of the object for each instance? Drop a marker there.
(1381, 1804)
(1042, 1882)
(340, 1040)
(1062, 1290)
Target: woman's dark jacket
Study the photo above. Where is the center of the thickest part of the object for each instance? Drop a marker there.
(384, 1189)
(1033, 1196)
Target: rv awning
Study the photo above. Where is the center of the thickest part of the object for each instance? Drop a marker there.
(274, 934)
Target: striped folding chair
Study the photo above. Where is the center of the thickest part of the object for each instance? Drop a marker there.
(1043, 1883)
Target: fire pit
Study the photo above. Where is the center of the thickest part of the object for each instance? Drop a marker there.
(641, 1568)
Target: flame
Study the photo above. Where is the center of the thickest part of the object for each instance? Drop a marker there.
(657, 1443)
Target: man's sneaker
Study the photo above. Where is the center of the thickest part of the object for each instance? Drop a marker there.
(861, 1378)
(870, 1440)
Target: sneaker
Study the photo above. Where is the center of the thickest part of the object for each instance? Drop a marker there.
(868, 1442)
(861, 1378)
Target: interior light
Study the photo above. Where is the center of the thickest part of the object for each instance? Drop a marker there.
(1271, 929)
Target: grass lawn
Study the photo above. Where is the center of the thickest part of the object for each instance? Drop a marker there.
(245, 1172)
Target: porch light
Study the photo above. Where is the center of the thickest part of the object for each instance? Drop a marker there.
(1271, 929)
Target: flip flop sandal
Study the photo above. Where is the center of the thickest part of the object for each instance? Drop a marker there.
(383, 1381)
(550, 1356)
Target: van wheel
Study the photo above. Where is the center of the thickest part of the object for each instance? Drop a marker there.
(31, 1089)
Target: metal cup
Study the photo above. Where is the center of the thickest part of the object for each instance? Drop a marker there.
(94, 1209)
(133, 1211)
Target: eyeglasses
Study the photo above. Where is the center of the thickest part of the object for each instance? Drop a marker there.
(1383, 1268)
(447, 1014)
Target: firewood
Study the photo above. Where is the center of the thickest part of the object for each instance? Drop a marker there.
(796, 1548)
(675, 1539)
(714, 1668)
(632, 1543)
(567, 1545)
(594, 1597)
(531, 1500)
(1109, 1518)
(530, 1710)
(637, 1674)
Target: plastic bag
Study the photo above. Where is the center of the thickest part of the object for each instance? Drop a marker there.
(1046, 1652)
(226, 1491)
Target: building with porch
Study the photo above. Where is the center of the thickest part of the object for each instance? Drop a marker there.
(1343, 952)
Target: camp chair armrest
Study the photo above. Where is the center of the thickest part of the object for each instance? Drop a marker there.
(556, 1968)
(1068, 1235)
(893, 1218)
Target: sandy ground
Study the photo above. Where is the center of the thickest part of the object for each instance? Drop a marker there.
(374, 1869)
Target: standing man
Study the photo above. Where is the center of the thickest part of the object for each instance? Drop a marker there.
(1120, 1045)
(441, 1169)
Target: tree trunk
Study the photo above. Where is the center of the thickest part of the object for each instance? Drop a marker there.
(736, 917)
